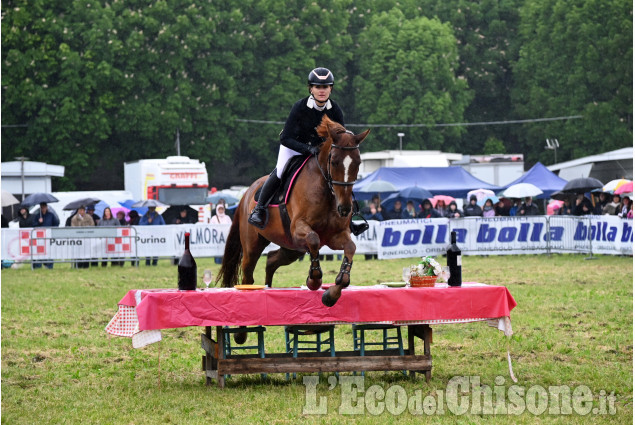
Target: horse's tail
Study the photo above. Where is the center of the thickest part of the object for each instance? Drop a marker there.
(230, 269)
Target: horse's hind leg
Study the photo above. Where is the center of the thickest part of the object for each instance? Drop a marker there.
(277, 258)
(251, 254)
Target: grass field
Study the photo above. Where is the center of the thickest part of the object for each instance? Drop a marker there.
(573, 326)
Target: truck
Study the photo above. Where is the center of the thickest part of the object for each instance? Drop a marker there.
(175, 180)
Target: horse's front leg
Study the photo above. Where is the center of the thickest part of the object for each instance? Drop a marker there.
(304, 235)
(343, 279)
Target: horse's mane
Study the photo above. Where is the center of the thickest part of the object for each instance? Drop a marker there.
(326, 124)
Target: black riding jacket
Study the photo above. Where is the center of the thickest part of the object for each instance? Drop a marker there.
(299, 132)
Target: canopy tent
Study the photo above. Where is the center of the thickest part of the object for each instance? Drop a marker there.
(543, 179)
(452, 181)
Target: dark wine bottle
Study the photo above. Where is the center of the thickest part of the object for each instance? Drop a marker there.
(187, 268)
(454, 262)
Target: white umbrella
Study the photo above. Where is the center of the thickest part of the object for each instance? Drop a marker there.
(8, 199)
(613, 185)
(149, 203)
(480, 194)
(379, 186)
(522, 190)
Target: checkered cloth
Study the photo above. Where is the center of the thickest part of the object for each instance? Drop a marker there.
(125, 323)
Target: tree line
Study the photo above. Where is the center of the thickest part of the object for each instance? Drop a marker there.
(91, 84)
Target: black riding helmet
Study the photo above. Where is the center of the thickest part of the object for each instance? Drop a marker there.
(321, 76)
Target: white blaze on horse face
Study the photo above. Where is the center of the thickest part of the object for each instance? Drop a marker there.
(347, 163)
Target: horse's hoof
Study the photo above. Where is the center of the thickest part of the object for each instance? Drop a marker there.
(313, 284)
(240, 338)
(327, 300)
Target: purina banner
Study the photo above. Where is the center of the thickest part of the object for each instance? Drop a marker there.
(387, 239)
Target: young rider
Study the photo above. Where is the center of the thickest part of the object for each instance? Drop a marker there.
(299, 137)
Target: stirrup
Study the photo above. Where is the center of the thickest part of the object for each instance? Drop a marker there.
(358, 229)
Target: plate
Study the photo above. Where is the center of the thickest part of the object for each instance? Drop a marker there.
(249, 287)
(394, 284)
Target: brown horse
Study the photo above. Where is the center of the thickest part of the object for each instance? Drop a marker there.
(319, 208)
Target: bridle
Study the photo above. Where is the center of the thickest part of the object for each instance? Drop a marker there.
(327, 176)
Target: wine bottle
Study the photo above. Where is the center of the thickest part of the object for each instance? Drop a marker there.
(454, 262)
(187, 268)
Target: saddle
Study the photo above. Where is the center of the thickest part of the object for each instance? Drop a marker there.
(289, 174)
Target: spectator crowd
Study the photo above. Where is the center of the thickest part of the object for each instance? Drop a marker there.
(577, 205)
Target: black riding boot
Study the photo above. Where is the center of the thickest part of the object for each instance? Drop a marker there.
(258, 216)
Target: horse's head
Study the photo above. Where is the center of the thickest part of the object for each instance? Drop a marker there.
(340, 159)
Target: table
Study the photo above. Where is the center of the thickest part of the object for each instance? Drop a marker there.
(143, 313)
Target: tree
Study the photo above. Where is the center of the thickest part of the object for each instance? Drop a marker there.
(408, 76)
(576, 59)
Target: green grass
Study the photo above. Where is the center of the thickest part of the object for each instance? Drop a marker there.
(573, 326)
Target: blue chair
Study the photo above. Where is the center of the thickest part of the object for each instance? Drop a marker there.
(388, 342)
(229, 349)
(296, 335)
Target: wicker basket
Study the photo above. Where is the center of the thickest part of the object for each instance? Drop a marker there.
(422, 281)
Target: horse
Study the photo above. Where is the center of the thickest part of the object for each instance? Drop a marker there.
(319, 210)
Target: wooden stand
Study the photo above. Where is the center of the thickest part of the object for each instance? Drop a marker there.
(216, 366)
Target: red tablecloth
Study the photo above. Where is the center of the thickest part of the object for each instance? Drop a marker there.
(171, 308)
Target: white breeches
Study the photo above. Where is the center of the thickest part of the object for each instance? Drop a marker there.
(284, 154)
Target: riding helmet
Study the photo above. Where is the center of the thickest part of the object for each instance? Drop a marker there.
(321, 76)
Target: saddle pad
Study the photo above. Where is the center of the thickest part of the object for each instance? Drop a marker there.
(290, 171)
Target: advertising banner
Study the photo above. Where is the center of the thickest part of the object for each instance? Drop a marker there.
(388, 239)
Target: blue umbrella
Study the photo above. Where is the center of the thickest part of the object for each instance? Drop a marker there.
(38, 198)
(128, 204)
(215, 197)
(493, 198)
(412, 193)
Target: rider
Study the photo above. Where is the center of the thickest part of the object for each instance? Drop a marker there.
(299, 137)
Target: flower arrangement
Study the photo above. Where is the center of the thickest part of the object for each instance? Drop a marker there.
(425, 273)
(428, 266)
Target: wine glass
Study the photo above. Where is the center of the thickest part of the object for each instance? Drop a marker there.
(445, 273)
(207, 278)
(405, 274)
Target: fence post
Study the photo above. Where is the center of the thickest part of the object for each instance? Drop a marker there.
(548, 235)
(590, 257)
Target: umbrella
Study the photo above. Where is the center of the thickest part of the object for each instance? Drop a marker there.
(149, 203)
(553, 206)
(38, 198)
(625, 188)
(128, 203)
(613, 185)
(480, 194)
(521, 190)
(582, 185)
(445, 198)
(412, 193)
(562, 196)
(115, 210)
(79, 202)
(8, 199)
(482, 201)
(175, 211)
(379, 186)
(216, 196)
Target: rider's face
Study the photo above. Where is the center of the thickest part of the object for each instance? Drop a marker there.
(321, 93)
